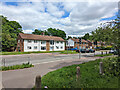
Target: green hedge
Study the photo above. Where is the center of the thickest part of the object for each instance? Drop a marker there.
(27, 65)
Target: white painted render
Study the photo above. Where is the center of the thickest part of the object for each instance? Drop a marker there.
(39, 45)
(70, 42)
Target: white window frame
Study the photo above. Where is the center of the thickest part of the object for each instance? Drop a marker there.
(35, 41)
(43, 43)
(29, 47)
(35, 48)
(43, 46)
(29, 41)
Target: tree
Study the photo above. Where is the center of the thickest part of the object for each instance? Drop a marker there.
(38, 32)
(51, 32)
(10, 31)
(110, 33)
(86, 36)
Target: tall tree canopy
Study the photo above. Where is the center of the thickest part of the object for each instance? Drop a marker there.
(10, 31)
(51, 32)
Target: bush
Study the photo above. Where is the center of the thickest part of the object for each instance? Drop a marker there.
(27, 65)
(106, 48)
(111, 66)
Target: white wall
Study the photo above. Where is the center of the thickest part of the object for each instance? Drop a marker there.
(39, 45)
(70, 42)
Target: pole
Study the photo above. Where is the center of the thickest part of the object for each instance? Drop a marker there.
(79, 52)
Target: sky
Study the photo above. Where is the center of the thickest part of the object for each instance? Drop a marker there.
(76, 18)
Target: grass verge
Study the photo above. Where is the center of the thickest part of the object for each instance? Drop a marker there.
(68, 52)
(90, 77)
(100, 55)
(17, 53)
(27, 65)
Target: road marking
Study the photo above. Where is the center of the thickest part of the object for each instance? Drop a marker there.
(53, 61)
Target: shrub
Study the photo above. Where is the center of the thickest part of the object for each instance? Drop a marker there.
(24, 65)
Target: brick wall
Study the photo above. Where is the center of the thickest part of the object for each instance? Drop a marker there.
(20, 45)
(47, 46)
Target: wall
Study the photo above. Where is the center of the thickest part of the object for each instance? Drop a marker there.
(47, 44)
(70, 43)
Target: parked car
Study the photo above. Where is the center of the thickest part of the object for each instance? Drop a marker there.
(81, 50)
(73, 48)
(91, 50)
(115, 52)
(87, 50)
(112, 51)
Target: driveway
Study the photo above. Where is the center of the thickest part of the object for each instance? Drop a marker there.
(25, 78)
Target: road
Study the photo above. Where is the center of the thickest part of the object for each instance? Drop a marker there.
(40, 58)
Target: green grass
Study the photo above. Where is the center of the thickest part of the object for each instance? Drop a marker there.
(68, 52)
(16, 53)
(27, 65)
(90, 77)
(100, 55)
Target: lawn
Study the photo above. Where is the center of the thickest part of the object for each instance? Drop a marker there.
(90, 77)
(16, 53)
(24, 65)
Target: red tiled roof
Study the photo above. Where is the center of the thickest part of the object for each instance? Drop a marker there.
(40, 37)
(77, 40)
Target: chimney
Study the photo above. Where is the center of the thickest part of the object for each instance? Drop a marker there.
(43, 34)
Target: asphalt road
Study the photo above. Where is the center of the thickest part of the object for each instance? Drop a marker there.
(9, 60)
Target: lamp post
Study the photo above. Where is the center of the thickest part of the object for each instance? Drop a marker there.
(79, 48)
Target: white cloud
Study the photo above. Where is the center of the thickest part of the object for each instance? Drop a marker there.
(84, 16)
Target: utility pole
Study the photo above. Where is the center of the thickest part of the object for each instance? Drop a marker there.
(79, 48)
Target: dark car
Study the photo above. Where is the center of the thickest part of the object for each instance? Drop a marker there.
(81, 50)
(115, 52)
(91, 50)
(87, 50)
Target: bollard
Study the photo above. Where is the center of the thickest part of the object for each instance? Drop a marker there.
(106, 52)
(101, 67)
(38, 82)
(3, 62)
(102, 53)
(78, 73)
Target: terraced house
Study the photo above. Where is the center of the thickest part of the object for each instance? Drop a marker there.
(32, 42)
(74, 43)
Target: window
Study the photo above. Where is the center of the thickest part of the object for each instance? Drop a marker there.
(35, 47)
(29, 47)
(52, 47)
(83, 43)
(66, 43)
(18, 41)
(61, 47)
(61, 42)
(35, 41)
(57, 47)
(51, 42)
(43, 42)
(57, 41)
(43, 48)
(29, 41)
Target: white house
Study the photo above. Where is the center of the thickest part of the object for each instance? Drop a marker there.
(32, 42)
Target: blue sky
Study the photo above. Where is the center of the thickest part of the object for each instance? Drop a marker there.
(75, 18)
